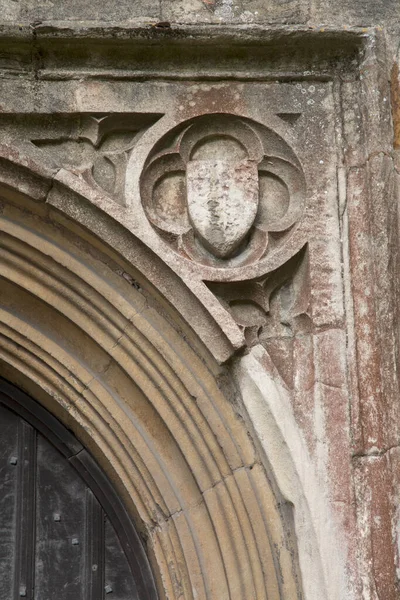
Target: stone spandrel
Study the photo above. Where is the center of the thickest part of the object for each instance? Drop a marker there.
(231, 182)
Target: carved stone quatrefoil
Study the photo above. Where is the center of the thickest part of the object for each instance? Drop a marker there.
(219, 186)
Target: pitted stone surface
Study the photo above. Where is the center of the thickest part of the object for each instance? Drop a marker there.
(222, 202)
(34, 11)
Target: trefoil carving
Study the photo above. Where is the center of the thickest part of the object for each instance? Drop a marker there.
(98, 148)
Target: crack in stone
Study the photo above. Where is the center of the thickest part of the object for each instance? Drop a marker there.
(370, 157)
(166, 518)
(375, 452)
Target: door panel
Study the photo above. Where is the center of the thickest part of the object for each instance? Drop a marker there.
(56, 541)
(8, 485)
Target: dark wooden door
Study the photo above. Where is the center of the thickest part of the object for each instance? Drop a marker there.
(57, 540)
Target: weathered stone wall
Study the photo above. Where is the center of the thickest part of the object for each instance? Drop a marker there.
(299, 12)
(215, 184)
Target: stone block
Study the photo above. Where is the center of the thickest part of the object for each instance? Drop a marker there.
(124, 11)
(235, 11)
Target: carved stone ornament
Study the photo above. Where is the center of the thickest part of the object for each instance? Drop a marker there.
(97, 147)
(223, 190)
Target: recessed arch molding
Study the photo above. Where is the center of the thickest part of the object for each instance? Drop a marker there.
(99, 345)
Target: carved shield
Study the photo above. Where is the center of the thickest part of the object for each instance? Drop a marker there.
(222, 201)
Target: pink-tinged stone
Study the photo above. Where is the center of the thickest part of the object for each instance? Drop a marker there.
(222, 202)
(374, 500)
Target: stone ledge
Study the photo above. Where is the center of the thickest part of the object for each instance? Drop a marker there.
(60, 50)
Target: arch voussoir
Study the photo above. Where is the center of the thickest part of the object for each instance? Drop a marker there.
(148, 406)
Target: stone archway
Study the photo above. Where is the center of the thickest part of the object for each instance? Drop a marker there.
(89, 336)
(230, 358)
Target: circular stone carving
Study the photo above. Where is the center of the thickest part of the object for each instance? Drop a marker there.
(222, 185)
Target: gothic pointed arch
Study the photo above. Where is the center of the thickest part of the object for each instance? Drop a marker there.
(112, 342)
